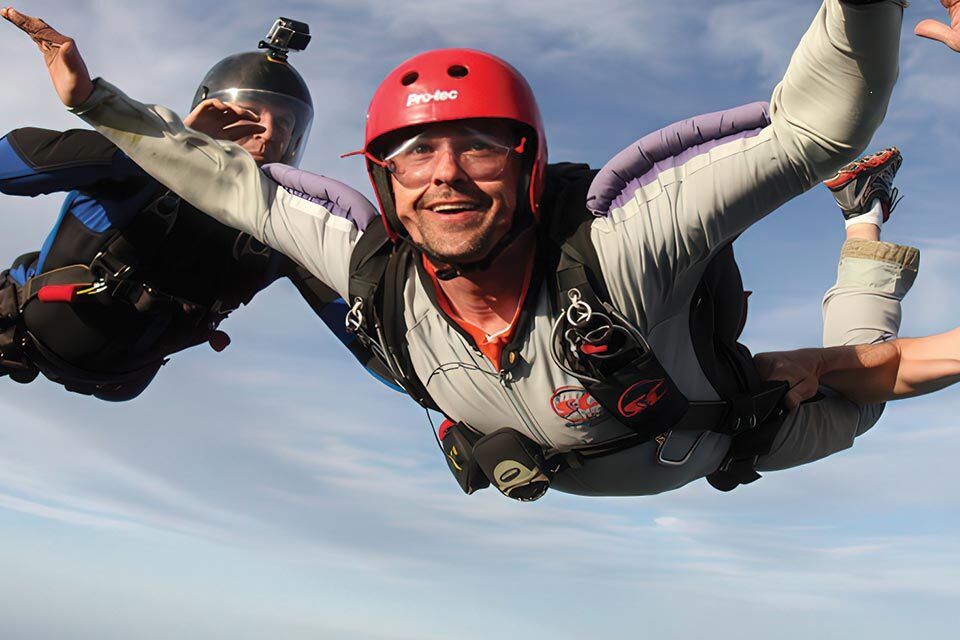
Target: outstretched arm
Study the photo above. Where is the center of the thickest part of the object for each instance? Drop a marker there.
(901, 368)
(193, 164)
(705, 190)
(69, 74)
(216, 176)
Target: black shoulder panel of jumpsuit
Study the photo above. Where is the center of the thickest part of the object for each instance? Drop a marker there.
(47, 150)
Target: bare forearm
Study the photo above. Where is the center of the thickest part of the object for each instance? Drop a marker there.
(863, 372)
(928, 364)
(899, 368)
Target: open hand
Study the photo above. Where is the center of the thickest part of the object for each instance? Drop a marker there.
(948, 35)
(223, 120)
(67, 69)
(800, 369)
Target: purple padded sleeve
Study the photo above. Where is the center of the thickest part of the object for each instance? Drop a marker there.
(640, 163)
(334, 196)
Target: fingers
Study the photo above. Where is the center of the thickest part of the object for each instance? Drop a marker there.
(237, 131)
(41, 32)
(791, 401)
(14, 16)
(223, 120)
(243, 114)
(69, 74)
(227, 108)
(802, 390)
(934, 30)
(793, 397)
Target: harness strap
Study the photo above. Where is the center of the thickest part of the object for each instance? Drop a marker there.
(142, 238)
(377, 275)
(395, 326)
(75, 274)
(85, 281)
(114, 265)
(368, 262)
(744, 413)
(740, 465)
(741, 412)
(751, 430)
(136, 244)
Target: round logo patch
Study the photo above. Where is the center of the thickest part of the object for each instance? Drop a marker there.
(576, 406)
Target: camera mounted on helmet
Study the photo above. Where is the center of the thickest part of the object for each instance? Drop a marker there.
(286, 35)
(265, 81)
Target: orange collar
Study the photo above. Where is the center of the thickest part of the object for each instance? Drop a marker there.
(490, 346)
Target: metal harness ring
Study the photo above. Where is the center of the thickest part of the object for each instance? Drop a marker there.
(354, 318)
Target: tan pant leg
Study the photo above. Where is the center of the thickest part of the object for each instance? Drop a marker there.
(863, 307)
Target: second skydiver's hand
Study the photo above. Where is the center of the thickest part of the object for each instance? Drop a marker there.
(948, 35)
(69, 74)
(223, 120)
(800, 369)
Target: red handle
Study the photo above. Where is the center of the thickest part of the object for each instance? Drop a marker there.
(591, 349)
(59, 292)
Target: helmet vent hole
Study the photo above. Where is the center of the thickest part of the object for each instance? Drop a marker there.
(458, 71)
(409, 78)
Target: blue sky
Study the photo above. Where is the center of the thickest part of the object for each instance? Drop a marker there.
(276, 491)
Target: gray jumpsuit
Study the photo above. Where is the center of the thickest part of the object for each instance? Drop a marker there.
(654, 239)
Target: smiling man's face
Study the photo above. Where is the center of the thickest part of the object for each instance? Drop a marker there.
(455, 216)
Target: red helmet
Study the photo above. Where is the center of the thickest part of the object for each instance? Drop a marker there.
(453, 84)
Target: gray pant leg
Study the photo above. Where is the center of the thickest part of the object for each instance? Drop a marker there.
(863, 307)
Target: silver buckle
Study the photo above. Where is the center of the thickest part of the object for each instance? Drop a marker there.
(677, 463)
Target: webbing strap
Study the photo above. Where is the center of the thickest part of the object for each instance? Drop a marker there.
(71, 274)
(395, 325)
(739, 467)
(140, 240)
(368, 262)
(378, 272)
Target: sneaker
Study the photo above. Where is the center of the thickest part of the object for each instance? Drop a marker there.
(856, 185)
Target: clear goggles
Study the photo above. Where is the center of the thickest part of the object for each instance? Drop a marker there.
(480, 155)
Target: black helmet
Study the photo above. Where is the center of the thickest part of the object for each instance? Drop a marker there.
(261, 79)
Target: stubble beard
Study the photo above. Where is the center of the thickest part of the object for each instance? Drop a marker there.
(465, 243)
(463, 248)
